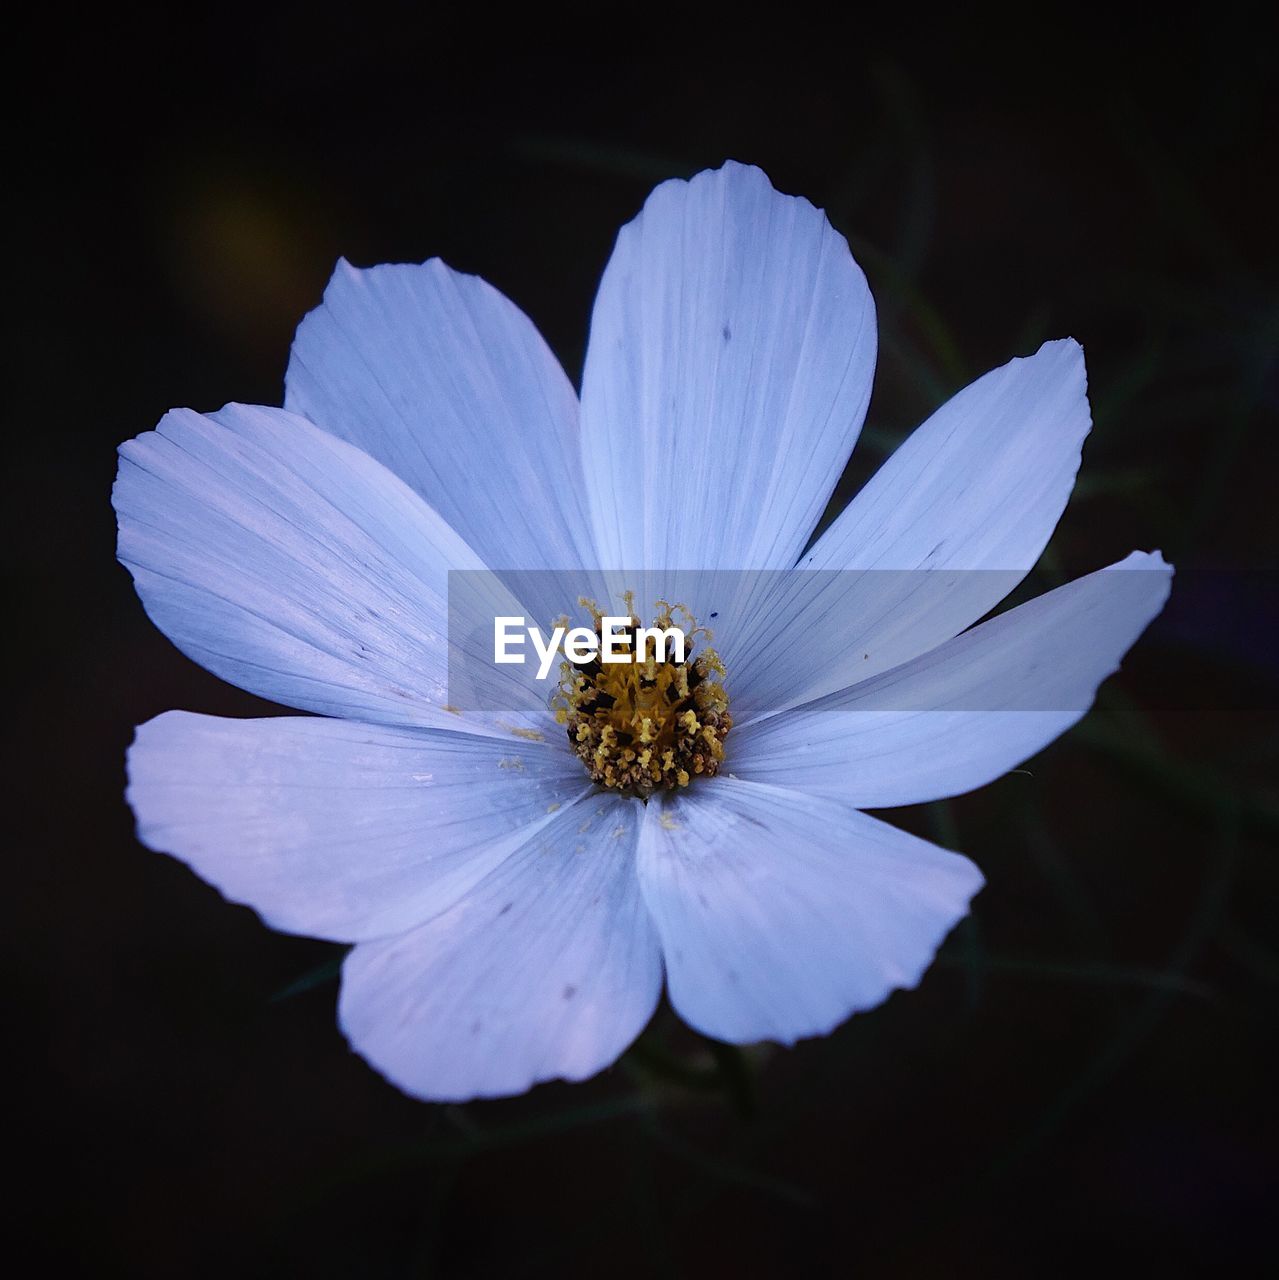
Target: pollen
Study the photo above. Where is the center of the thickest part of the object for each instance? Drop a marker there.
(645, 725)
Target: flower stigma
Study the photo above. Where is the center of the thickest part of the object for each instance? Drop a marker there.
(646, 725)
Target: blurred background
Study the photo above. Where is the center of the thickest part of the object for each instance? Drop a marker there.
(1089, 1070)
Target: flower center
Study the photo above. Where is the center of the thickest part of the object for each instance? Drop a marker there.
(644, 725)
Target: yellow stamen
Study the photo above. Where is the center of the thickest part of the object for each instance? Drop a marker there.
(643, 726)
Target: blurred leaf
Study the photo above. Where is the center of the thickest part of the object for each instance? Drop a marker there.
(1099, 483)
(591, 157)
(474, 1140)
(736, 1077)
(1249, 951)
(1133, 1030)
(653, 1060)
(1189, 786)
(968, 951)
(894, 288)
(317, 977)
(729, 1171)
(900, 97)
(1082, 971)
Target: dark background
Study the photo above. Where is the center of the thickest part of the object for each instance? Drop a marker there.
(1087, 1075)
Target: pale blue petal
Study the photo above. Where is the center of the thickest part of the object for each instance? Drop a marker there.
(947, 527)
(982, 483)
(336, 829)
(971, 709)
(780, 914)
(295, 566)
(447, 383)
(548, 968)
(731, 354)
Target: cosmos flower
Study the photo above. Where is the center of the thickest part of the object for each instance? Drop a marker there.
(516, 895)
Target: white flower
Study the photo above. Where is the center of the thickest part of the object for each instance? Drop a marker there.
(511, 921)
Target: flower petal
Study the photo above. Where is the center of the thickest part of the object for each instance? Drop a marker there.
(291, 564)
(982, 483)
(548, 968)
(446, 382)
(971, 709)
(780, 914)
(336, 829)
(947, 527)
(729, 368)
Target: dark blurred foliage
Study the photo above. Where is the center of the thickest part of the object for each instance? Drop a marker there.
(1088, 1073)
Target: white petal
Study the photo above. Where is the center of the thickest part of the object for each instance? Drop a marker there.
(297, 567)
(446, 382)
(548, 968)
(947, 527)
(780, 914)
(730, 362)
(982, 483)
(336, 829)
(971, 709)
